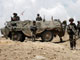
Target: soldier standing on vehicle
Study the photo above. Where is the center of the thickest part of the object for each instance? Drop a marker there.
(38, 18)
(15, 17)
(78, 28)
(71, 29)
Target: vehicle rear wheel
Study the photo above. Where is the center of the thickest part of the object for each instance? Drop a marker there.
(47, 36)
(18, 37)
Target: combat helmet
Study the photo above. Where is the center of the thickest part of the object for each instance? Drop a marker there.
(71, 19)
(14, 13)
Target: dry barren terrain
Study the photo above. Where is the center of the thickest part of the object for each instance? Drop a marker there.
(28, 50)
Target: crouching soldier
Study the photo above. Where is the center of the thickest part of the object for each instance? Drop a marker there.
(72, 33)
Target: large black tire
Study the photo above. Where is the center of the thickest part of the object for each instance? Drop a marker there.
(18, 37)
(47, 36)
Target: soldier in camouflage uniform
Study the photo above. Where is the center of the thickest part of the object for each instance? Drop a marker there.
(78, 28)
(15, 17)
(72, 33)
(33, 30)
(38, 18)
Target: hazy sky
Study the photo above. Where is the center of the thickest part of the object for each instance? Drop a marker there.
(60, 9)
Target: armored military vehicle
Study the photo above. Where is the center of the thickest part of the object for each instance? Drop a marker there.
(46, 30)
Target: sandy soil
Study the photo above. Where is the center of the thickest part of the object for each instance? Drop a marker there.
(28, 50)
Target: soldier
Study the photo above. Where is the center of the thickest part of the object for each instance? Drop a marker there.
(38, 18)
(72, 33)
(15, 17)
(33, 30)
(78, 28)
(64, 24)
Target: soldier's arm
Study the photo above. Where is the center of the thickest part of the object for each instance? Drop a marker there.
(41, 18)
(18, 18)
(69, 30)
(75, 26)
(11, 19)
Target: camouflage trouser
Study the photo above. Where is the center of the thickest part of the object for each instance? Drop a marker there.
(72, 39)
(33, 36)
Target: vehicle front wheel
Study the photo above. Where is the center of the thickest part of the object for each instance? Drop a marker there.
(47, 36)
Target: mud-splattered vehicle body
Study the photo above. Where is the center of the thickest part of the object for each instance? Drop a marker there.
(46, 30)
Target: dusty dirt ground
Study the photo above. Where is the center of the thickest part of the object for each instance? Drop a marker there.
(28, 50)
